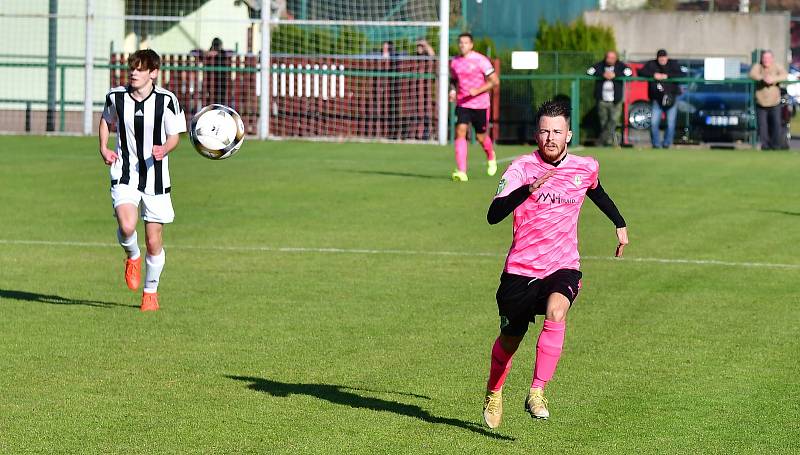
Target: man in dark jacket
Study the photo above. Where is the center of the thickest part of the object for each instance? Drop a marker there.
(662, 95)
(608, 93)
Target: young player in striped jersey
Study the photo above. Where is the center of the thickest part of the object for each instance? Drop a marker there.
(149, 120)
(473, 76)
(544, 190)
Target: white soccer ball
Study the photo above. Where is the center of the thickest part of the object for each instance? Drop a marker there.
(217, 132)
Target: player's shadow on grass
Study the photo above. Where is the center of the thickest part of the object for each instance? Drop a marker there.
(56, 299)
(402, 174)
(349, 396)
(781, 212)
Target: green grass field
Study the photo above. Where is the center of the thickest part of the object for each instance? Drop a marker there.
(339, 298)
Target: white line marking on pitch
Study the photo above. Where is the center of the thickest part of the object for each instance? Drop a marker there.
(406, 252)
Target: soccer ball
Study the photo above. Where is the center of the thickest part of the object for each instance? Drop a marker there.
(217, 132)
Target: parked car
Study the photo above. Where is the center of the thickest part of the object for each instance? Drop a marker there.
(707, 111)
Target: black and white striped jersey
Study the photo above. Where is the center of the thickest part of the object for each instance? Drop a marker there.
(140, 125)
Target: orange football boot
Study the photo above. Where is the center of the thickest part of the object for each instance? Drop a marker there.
(149, 301)
(133, 273)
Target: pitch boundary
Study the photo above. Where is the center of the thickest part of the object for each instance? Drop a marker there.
(255, 248)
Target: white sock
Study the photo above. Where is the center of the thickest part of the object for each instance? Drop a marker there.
(130, 245)
(155, 264)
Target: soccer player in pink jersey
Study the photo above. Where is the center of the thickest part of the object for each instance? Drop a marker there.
(473, 76)
(544, 190)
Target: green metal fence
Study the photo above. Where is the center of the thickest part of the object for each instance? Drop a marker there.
(723, 111)
(520, 95)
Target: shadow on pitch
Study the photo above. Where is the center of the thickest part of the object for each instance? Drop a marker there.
(350, 396)
(57, 299)
(781, 212)
(403, 174)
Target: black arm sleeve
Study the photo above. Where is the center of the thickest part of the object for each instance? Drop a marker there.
(502, 206)
(601, 199)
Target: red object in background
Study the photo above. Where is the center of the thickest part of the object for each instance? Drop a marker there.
(381, 107)
(634, 92)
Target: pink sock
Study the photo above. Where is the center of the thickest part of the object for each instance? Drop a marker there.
(488, 147)
(501, 364)
(461, 154)
(548, 351)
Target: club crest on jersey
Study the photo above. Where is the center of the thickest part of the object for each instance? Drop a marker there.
(500, 186)
(578, 180)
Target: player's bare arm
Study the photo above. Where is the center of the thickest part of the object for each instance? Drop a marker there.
(108, 155)
(491, 82)
(160, 151)
(453, 90)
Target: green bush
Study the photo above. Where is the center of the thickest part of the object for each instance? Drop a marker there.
(578, 45)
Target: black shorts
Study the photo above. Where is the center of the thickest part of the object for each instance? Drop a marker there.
(477, 117)
(520, 298)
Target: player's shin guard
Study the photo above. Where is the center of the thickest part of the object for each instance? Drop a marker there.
(548, 351)
(501, 365)
(461, 154)
(488, 147)
(130, 245)
(155, 264)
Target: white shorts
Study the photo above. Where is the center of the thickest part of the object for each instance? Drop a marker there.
(154, 208)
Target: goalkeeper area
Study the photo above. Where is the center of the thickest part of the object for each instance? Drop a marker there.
(350, 308)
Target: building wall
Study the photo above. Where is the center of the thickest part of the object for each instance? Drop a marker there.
(25, 36)
(691, 35)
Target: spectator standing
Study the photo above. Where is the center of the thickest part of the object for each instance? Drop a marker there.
(220, 78)
(767, 75)
(663, 94)
(608, 93)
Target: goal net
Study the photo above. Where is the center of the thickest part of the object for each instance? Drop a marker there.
(362, 70)
(323, 69)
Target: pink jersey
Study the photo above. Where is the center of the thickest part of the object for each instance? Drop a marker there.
(546, 224)
(470, 72)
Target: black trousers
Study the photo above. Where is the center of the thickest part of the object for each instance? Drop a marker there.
(770, 128)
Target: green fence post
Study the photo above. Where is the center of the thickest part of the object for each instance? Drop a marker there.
(575, 106)
(61, 102)
(452, 122)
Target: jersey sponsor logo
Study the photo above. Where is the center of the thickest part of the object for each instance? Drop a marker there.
(552, 198)
(139, 113)
(500, 186)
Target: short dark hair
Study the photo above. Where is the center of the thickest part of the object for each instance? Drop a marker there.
(468, 35)
(554, 108)
(145, 59)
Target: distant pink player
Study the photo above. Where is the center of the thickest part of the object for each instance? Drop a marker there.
(545, 191)
(473, 75)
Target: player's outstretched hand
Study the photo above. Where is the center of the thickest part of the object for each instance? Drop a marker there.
(158, 152)
(109, 157)
(540, 181)
(622, 237)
